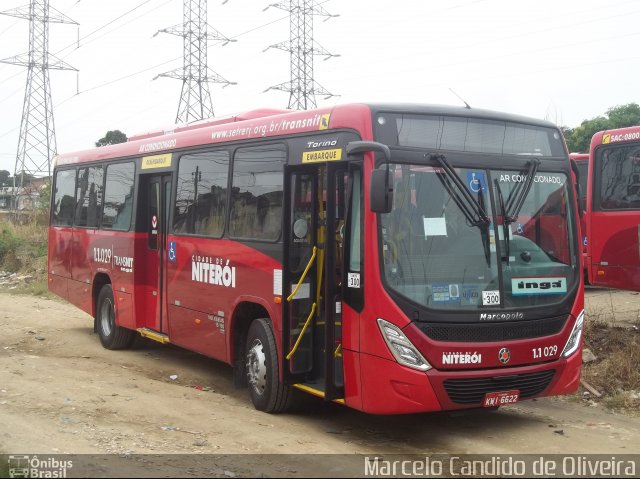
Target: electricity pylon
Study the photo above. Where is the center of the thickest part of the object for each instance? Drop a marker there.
(195, 99)
(302, 48)
(37, 143)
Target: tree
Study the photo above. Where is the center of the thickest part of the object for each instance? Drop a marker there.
(5, 178)
(624, 115)
(111, 138)
(579, 138)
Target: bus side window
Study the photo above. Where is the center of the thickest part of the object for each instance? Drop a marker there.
(118, 197)
(201, 194)
(89, 196)
(64, 198)
(256, 192)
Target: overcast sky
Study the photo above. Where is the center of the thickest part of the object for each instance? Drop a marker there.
(563, 60)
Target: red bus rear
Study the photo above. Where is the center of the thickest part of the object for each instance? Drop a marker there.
(393, 258)
(613, 207)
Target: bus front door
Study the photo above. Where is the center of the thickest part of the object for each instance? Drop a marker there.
(153, 219)
(312, 275)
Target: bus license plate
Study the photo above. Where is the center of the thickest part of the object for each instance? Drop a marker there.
(500, 398)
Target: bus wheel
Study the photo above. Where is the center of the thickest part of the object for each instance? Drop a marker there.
(267, 392)
(111, 335)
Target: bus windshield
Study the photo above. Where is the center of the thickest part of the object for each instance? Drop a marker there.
(434, 256)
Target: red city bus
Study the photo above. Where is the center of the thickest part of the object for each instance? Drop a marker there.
(613, 206)
(392, 258)
(582, 164)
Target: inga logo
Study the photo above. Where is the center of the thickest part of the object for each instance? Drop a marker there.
(538, 285)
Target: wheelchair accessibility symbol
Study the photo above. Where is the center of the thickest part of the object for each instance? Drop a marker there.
(172, 251)
(476, 181)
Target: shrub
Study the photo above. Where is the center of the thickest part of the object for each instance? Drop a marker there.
(9, 243)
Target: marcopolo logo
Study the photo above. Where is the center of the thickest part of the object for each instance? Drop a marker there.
(501, 316)
(538, 285)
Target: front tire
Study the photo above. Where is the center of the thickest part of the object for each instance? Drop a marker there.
(267, 392)
(111, 335)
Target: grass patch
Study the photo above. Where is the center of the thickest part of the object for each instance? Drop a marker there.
(10, 241)
(615, 372)
(23, 250)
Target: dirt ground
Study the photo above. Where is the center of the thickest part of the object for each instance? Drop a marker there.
(61, 392)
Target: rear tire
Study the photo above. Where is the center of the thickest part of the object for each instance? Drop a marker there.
(111, 335)
(267, 392)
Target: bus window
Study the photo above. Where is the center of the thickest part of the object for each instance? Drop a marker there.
(64, 198)
(256, 193)
(618, 170)
(118, 197)
(201, 195)
(89, 196)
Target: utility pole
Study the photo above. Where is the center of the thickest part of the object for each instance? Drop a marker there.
(195, 99)
(301, 46)
(37, 143)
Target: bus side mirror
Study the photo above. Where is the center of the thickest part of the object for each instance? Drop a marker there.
(381, 191)
(381, 185)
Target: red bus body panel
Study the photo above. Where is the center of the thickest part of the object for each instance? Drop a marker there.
(199, 315)
(613, 252)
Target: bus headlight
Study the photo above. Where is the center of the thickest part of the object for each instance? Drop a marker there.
(401, 348)
(574, 339)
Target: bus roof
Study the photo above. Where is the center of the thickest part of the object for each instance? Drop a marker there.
(617, 135)
(264, 123)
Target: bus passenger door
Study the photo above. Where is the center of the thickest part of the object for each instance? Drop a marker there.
(153, 220)
(613, 222)
(314, 216)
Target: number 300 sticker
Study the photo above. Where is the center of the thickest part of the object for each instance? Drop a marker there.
(353, 280)
(490, 298)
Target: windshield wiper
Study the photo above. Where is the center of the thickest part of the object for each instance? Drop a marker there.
(505, 224)
(473, 211)
(520, 192)
(484, 231)
(511, 210)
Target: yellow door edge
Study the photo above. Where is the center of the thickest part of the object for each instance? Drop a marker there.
(316, 392)
(154, 335)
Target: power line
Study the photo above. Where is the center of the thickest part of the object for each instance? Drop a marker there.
(105, 25)
(9, 27)
(110, 82)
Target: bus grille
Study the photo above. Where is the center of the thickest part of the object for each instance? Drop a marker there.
(487, 332)
(472, 390)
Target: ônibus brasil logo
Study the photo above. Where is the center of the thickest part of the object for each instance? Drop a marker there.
(504, 355)
(33, 466)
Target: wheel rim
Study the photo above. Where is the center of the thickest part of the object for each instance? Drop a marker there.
(257, 367)
(106, 317)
